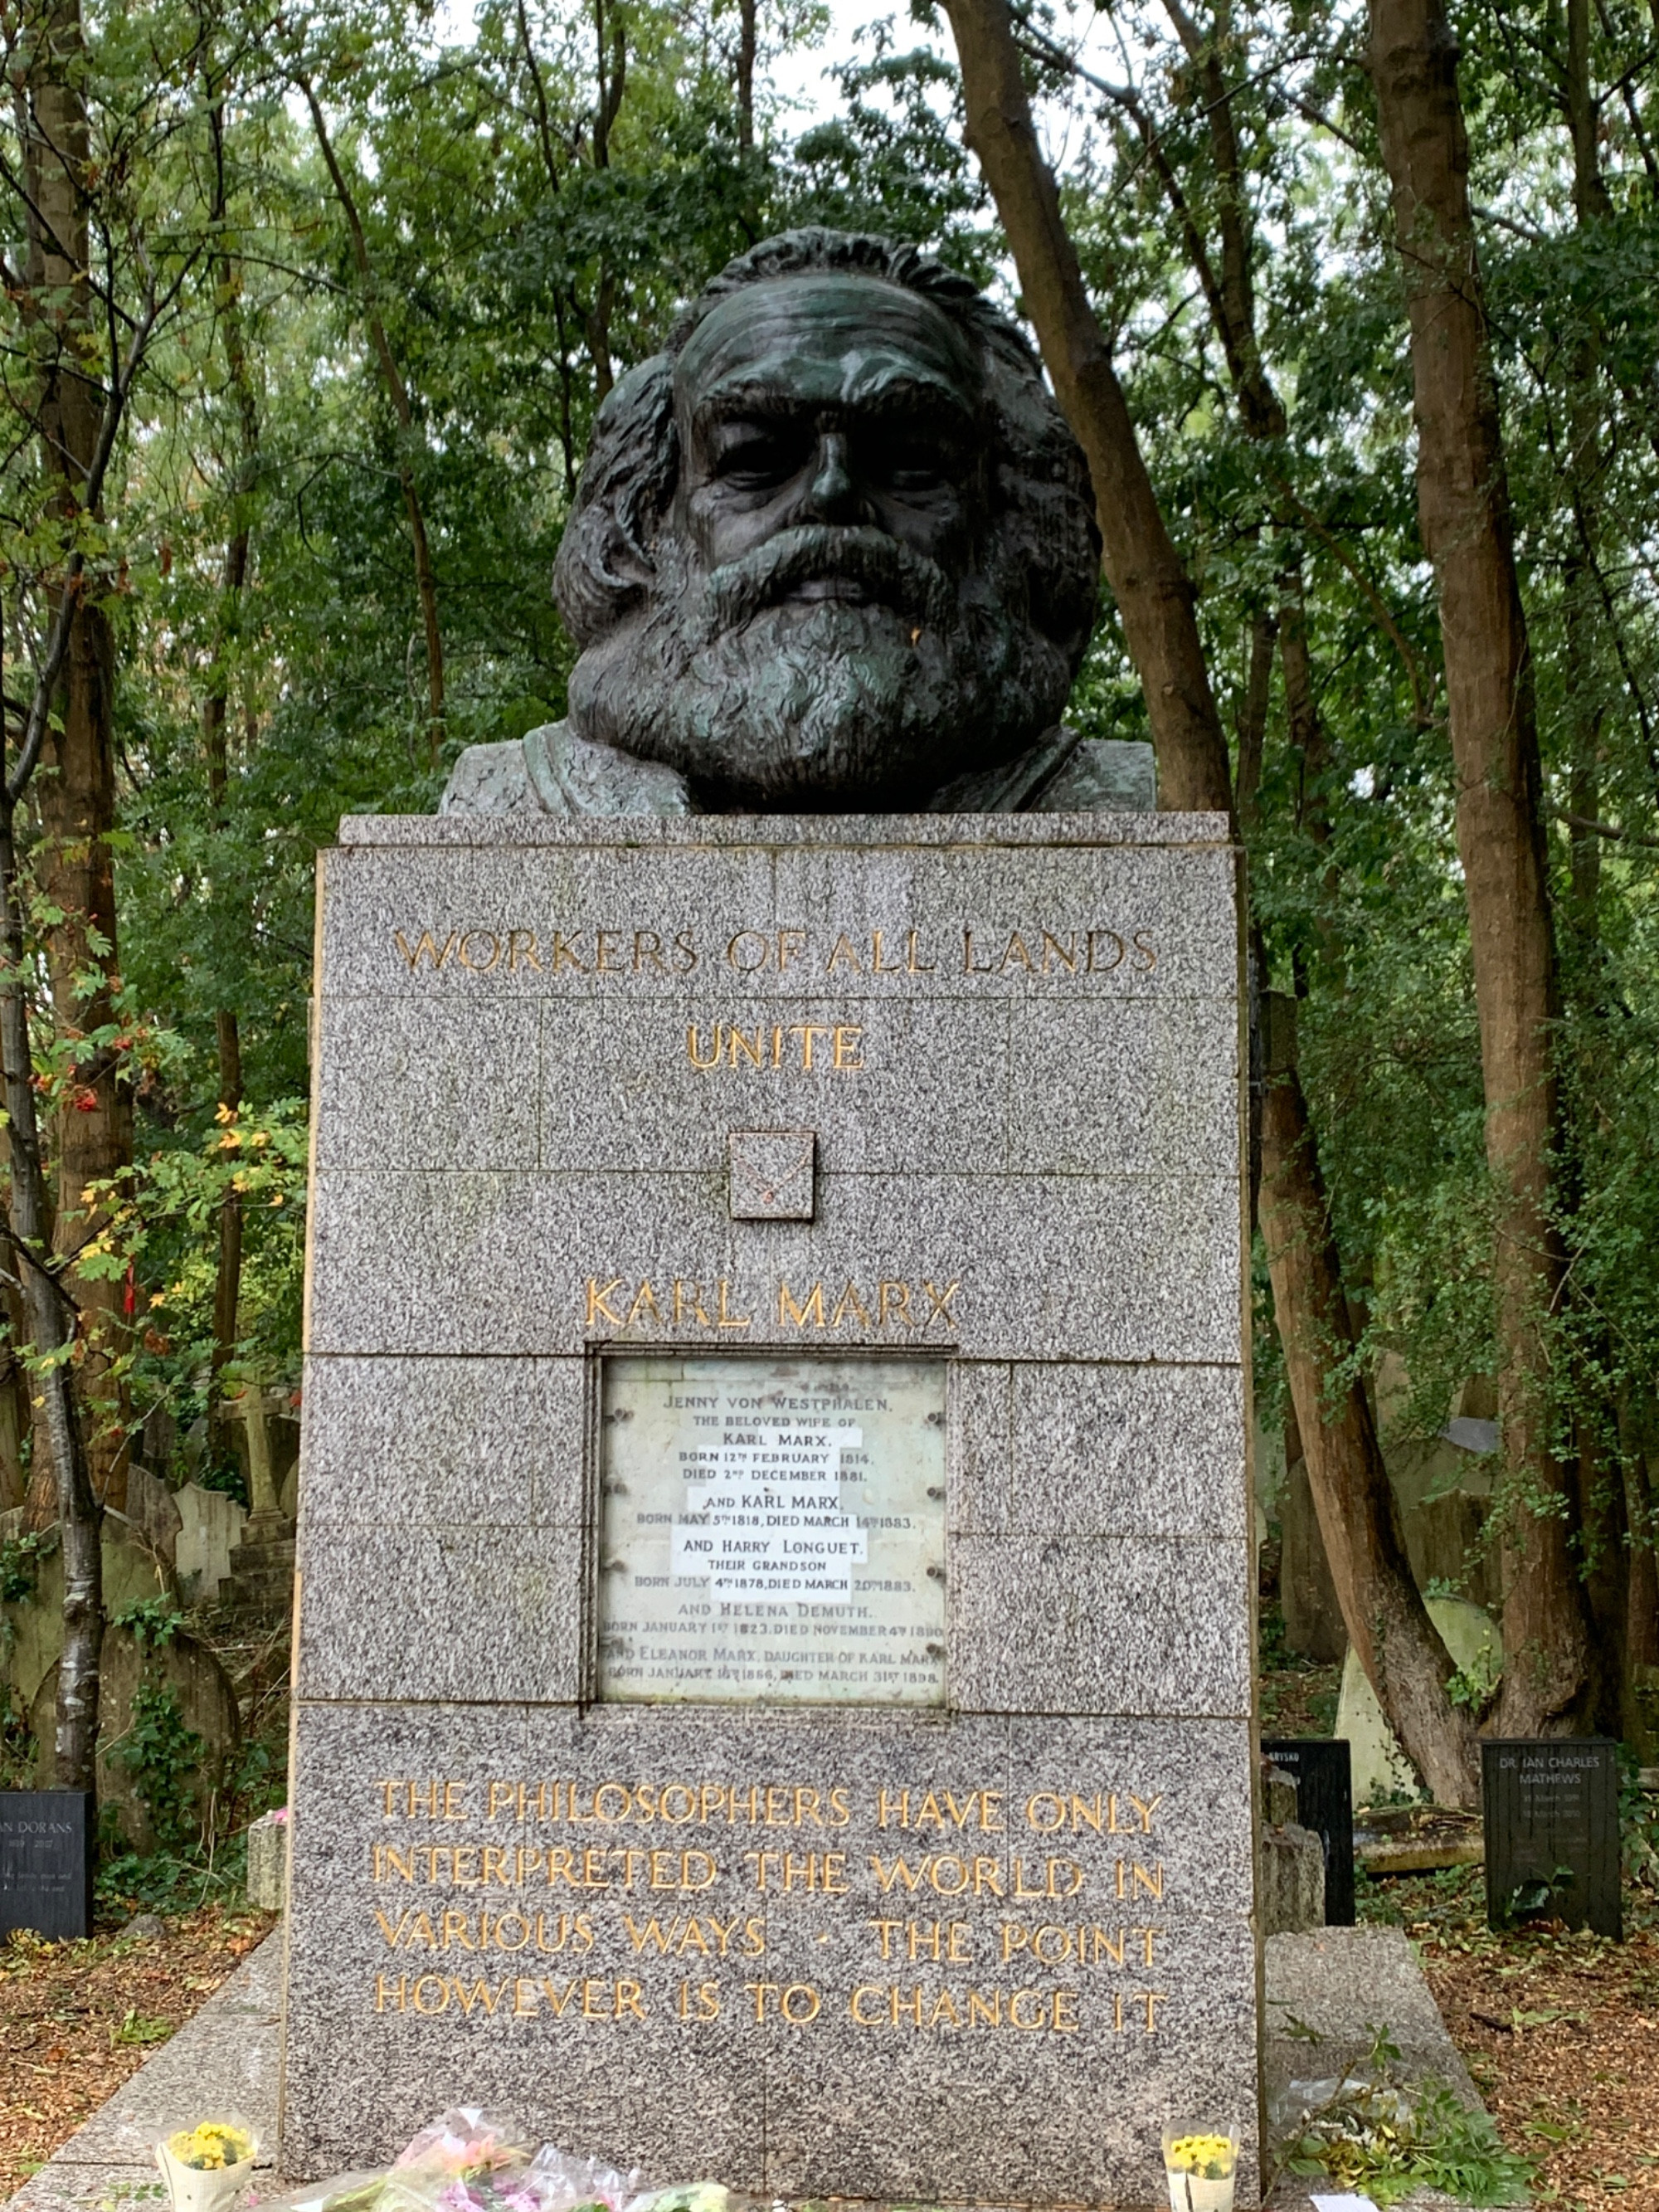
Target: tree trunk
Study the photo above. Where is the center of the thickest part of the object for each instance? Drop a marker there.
(746, 44)
(1397, 1643)
(51, 1327)
(228, 1281)
(1463, 511)
(1153, 590)
(1253, 716)
(73, 865)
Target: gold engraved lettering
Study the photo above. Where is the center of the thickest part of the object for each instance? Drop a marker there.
(1094, 967)
(1152, 1999)
(914, 963)
(644, 1306)
(696, 1291)
(738, 1040)
(481, 1994)
(743, 962)
(1146, 1808)
(806, 1031)
(647, 945)
(900, 1871)
(598, 1308)
(1142, 944)
(425, 948)
(1062, 955)
(939, 1307)
(894, 1297)
(876, 965)
(521, 949)
(725, 1319)
(791, 942)
(706, 1998)
(850, 1302)
(565, 954)
(1016, 954)
(970, 965)
(799, 1315)
(844, 1042)
(388, 1992)
(692, 1053)
(842, 950)
(606, 941)
(685, 952)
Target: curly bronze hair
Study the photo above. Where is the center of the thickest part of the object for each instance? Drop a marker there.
(1042, 518)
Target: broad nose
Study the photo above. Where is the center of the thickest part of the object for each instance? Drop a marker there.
(834, 494)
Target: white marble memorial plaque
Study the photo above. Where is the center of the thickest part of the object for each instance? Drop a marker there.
(773, 1531)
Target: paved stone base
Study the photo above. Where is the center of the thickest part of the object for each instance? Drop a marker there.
(1338, 1982)
(223, 2061)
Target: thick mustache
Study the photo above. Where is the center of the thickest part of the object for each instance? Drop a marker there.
(880, 567)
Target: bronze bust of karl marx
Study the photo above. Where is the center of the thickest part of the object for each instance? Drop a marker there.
(833, 550)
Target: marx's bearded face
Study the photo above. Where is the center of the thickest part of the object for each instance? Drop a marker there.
(831, 619)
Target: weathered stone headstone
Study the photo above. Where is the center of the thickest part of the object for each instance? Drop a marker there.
(773, 1678)
(200, 1698)
(1550, 1808)
(48, 1854)
(267, 1860)
(1321, 1769)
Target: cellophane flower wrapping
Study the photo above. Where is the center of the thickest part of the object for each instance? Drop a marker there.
(475, 2160)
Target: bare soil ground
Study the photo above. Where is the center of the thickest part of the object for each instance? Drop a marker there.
(1560, 2032)
(77, 2019)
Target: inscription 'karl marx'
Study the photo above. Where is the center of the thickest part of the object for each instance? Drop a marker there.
(677, 1303)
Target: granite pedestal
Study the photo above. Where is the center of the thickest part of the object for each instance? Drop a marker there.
(903, 1849)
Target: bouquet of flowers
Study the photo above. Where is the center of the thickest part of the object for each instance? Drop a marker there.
(473, 2160)
(1200, 2166)
(204, 2166)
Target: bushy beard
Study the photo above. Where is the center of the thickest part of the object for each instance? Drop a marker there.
(771, 702)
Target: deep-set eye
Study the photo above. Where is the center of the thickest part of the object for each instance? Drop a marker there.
(755, 457)
(910, 459)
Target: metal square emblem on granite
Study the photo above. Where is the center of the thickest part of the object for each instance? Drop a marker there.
(772, 1174)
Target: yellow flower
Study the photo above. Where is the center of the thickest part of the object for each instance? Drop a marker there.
(211, 2147)
(1197, 2154)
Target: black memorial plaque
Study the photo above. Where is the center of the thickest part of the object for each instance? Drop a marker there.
(1550, 1817)
(1323, 1771)
(47, 1838)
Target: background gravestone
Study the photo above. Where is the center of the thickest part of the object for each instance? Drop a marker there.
(183, 1670)
(1551, 1820)
(773, 1682)
(47, 1861)
(1319, 1766)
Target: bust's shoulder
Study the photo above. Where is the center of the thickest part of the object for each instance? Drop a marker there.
(1102, 775)
(490, 779)
(551, 770)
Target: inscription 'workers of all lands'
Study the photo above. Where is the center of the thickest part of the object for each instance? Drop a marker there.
(802, 956)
